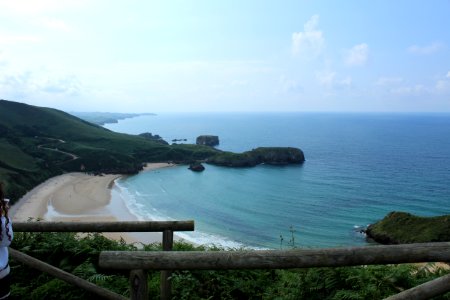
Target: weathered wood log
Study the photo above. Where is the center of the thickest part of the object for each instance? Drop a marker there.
(129, 226)
(165, 283)
(65, 276)
(428, 290)
(138, 285)
(275, 259)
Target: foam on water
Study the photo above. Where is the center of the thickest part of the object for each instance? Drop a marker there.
(133, 201)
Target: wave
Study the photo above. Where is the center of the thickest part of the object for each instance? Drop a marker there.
(149, 213)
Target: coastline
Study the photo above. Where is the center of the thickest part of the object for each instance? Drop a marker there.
(79, 197)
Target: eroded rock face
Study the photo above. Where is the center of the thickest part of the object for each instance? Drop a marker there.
(208, 140)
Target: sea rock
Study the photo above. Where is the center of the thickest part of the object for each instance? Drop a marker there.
(208, 140)
(196, 167)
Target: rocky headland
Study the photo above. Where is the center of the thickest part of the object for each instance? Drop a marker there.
(261, 155)
(405, 228)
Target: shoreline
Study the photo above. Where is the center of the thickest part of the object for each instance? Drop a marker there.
(79, 197)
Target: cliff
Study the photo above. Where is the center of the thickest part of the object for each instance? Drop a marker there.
(405, 228)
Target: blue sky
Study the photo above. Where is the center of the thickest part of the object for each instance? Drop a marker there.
(148, 56)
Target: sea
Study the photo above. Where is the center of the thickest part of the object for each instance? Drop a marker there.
(358, 168)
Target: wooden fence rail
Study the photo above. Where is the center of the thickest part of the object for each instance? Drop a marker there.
(138, 277)
(139, 261)
(275, 259)
(129, 226)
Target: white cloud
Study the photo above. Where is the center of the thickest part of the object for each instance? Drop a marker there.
(310, 42)
(289, 85)
(326, 78)
(346, 82)
(357, 56)
(413, 90)
(443, 85)
(239, 83)
(32, 7)
(3, 61)
(54, 24)
(425, 50)
(16, 84)
(59, 84)
(388, 81)
(398, 86)
(6, 39)
(329, 80)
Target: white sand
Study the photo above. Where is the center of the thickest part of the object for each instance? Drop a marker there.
(78, 197)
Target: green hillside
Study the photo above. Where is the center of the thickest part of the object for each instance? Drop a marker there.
(37, 143)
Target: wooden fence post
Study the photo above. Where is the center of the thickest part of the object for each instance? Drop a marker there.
(138, 285)
(166, 285)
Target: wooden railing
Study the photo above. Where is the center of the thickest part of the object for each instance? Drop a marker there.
(276, 259)
(138, 278)
(138, 262)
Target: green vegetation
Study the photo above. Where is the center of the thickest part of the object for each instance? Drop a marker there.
(37, 143)
(101, 118)
(266, 155)
(405, 228)
(80, 257)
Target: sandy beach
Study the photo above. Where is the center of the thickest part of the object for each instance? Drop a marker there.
(79, 197)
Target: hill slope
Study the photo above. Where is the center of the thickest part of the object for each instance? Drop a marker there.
(37, 143)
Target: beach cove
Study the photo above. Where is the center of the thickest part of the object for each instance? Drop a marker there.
(81, 197)
(358, 168)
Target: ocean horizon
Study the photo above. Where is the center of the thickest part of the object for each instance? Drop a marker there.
(358, 168)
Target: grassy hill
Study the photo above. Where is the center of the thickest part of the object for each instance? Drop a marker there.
(37, 143)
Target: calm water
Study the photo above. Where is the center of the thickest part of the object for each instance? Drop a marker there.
(358, 168)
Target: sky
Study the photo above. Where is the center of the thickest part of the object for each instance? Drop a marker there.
(208, 56)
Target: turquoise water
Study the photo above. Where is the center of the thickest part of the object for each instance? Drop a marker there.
(358, 168)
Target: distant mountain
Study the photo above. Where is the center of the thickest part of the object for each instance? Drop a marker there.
(102, 118)
(37, 143)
